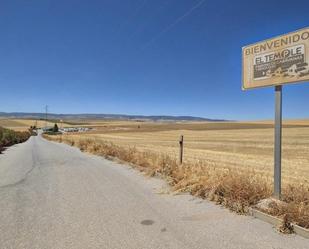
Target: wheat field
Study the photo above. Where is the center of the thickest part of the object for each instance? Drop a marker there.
(24, 124)
(237, 146)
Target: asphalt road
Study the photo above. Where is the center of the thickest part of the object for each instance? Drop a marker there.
(54, 196)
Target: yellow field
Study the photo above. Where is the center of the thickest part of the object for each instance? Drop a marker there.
(234, 145)
(24, 124)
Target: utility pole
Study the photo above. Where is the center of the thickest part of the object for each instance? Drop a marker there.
(61, 129)
(46, 112)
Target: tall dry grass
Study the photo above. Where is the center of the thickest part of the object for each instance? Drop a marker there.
(238, 149)
(10, 137)
(235, 190)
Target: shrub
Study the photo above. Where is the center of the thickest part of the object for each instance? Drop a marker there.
(10, 137)
(55, 129)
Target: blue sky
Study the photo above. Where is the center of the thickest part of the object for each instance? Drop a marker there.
(152, 57)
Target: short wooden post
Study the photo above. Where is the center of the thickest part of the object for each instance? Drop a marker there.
(181, 149)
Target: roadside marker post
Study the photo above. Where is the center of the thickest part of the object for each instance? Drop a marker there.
(181, 149)
(275, 62)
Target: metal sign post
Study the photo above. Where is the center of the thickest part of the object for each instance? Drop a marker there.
(278, 144)
(181, 149)
(274, 62)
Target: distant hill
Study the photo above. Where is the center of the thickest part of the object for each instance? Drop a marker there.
(30, 115)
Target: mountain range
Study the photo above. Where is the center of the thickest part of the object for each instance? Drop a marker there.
(31, 115)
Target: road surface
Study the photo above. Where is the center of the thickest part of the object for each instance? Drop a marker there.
(54, 196)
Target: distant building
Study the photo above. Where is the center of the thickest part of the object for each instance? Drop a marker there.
(75, 129)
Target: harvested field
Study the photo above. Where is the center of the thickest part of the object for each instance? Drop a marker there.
(24, 124)
(237, 146)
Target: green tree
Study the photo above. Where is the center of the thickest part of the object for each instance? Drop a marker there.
(55, 129)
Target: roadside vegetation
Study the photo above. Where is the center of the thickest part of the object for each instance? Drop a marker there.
(236, 190)
(9, 137)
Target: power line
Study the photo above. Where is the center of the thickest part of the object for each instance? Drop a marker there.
(169, 27)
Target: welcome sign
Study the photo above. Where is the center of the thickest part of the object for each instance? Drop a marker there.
(277, 61)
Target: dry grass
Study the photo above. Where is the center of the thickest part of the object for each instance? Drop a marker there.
(10, 137)
(236, 149)
(236, 190)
